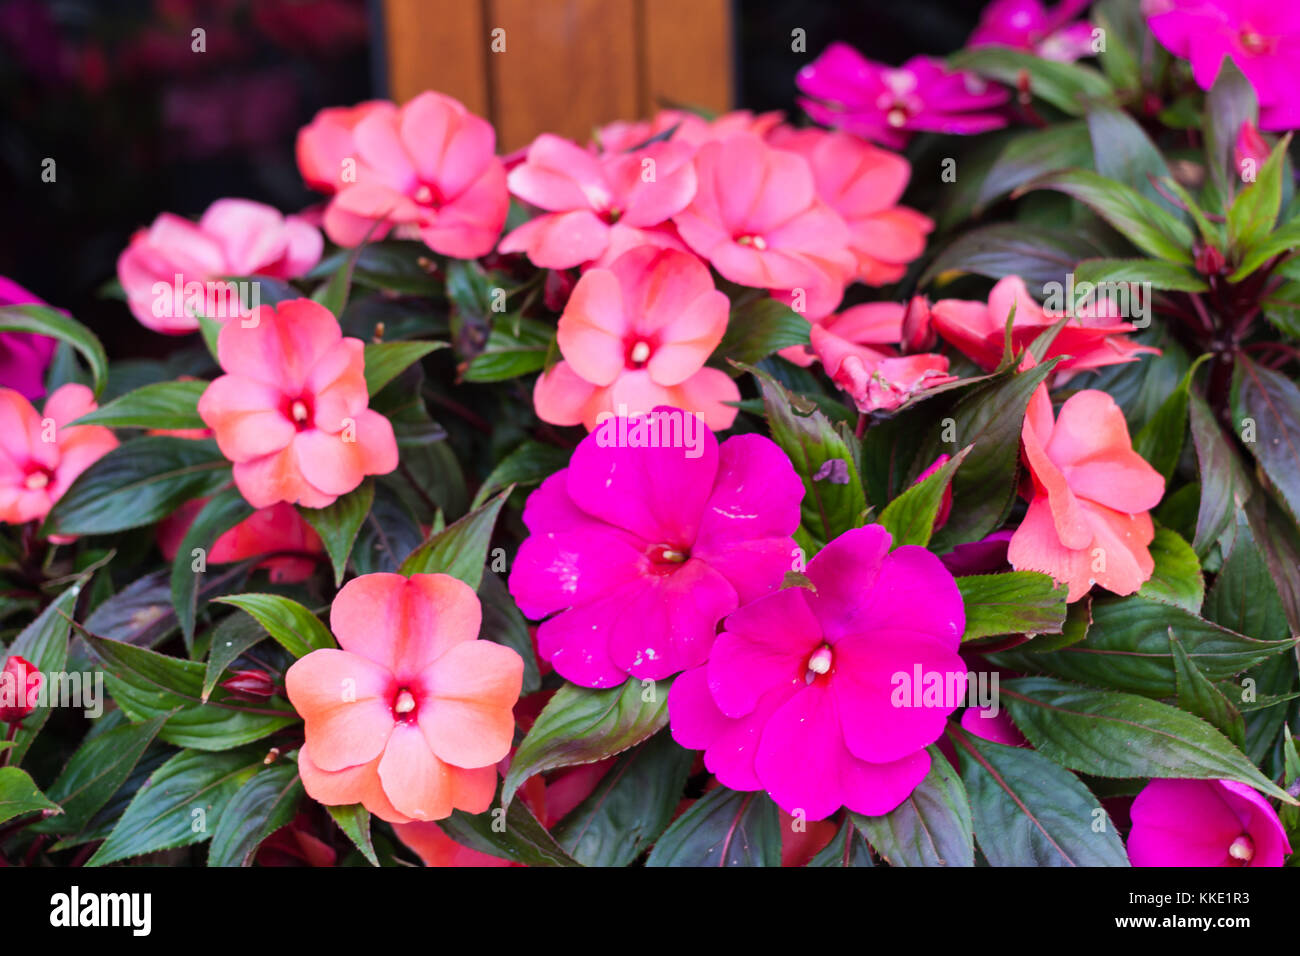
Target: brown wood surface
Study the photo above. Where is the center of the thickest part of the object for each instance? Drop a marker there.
(568, 66)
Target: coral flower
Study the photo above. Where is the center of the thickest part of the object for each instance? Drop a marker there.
(875, 381)
(1027, 25)
(427, 169)
(863, 183)
(40, 455)
(1261, 37)
(174, 270)
(635, 336)
(1088, 520)
(24, 357)
(291, 411)
(410, 717)
(757, 218)
(887, 104)
(979, 330)
(816, 694)
(638, 552)
(1205, 823)
(597, 203)
(278, 530)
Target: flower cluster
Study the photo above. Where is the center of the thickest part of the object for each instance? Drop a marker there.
(714, 476)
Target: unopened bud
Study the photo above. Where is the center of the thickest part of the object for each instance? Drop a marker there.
(250, 684)
(20, 688)
(1209, 260)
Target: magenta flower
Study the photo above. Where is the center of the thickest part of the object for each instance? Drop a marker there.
(1204, 823)
(886, 104)
(1027, 25)
(815, 694)
(1262, 37)
(638, 552)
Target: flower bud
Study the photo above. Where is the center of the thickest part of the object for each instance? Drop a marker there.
(918, 331)
(1209, 260)
(555, 293)
(20, 687)
(250, 684)
(1250, 145)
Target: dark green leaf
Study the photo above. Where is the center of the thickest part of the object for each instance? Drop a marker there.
(460, 549)
(354, 821)
(260, 807)
(297, 629)
(43, 320)
(932, 827)
(909, 518)
(1030, 812)
(20, 796)
(1176, 578)
(387, 360)
(138, 483)
(161, 405)
(631, 805)
(338, 524)
(1016, 602)
(1106, 734)
(44, 644)
(221, 513)
(581, 725)
(756, 329)
(722, 828)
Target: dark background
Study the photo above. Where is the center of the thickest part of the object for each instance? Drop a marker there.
(138, 124)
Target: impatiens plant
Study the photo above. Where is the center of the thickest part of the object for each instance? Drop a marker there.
(913, 481)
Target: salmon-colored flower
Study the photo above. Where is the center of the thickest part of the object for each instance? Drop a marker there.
(427, 169)
(863, 183)
(757, 218)
(1088, 520)
(291, 411)
(597, 204)
(636, 336)
(278, 530)
(875, 379)
(410, 717)
(175, 270)
(1087, 341)
(40, 455)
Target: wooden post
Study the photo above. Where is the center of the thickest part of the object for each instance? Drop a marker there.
(568, 65)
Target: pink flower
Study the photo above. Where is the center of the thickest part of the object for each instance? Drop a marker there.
(23, 357)
(1089, 517)
(994, 725)
(427, 169)
(638, 551)
(687, 127)
(292, 409)
(1205, 823)
(173, 271)
(876, 381)
(595, 204)
(41, 455)
(635, 336)
(1026, 25)
(20, 688)
(1262, 37)
(978, 330)
(863, 183)
(887, 104)
(757, 218)
(278, 530)
(869, 331)
(808, 693)
(412, 715)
